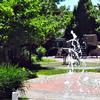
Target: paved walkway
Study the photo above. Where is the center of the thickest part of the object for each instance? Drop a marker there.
(71, 86)
(88, 59)
(86, 64)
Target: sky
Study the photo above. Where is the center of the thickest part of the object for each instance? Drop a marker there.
(72, 3)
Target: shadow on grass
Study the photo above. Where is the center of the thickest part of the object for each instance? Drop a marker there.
(33, 67)
(37, 67)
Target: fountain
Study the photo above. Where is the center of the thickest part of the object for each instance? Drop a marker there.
(74, 52)
(75, 62)
(70, 86)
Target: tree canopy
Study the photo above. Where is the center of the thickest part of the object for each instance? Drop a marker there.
(30, 22)
(83, 22)
(86, 18)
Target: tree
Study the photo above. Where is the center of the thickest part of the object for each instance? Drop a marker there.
(15, 16)
(97, 17)
(27, 22)
(84, 22)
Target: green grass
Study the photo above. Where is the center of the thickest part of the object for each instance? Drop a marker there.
(54, 67)
(51, 72)
(23, 98)
(44, 59)
(62, 71)
(88, 70)
(92, 64)
(94, 70)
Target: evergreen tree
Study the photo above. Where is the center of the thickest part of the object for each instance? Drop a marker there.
(84, 22)
(97, 13)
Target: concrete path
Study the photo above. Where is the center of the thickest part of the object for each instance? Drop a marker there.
(88, 59)
(86, 64)
(71, 86)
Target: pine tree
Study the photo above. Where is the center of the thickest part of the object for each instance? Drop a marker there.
(84, 22)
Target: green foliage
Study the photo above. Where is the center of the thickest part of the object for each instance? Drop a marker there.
(37, 18)
(11, 79)
(41, 50)
(34, 58)
(48, 25)
(85, 18)
(30, 22)
(31, 74)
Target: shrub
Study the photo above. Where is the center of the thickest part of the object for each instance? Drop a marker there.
(11, 79)
(32, 74)
(34, 58)
(40, 51)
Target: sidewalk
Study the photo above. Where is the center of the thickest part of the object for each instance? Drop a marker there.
(79, 86)
(88, 59)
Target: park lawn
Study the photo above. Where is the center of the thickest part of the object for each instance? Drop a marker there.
(51, 72)
(62, 71)
(93, 64)
(54, 67)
